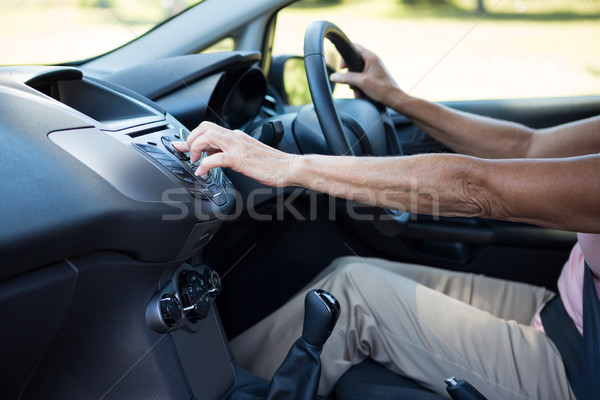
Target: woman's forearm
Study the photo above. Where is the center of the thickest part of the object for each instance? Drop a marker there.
(556, 193)
(559, 193)
(428, 184)
(467, 133)
(486, 137)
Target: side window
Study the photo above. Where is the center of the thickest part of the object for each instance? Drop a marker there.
(450, 50)
(295, 83)
(226, 44)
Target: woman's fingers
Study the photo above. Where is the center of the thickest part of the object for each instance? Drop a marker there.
(350, 78)
(238, 151)
(181, 146)
(205, 125)
(212, 161)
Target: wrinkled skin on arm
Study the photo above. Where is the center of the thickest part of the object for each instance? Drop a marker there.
(559, 193)
(547, 177)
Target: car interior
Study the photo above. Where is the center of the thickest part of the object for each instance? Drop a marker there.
(124, 274)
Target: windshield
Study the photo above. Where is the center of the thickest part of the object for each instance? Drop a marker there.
(447, 50)
(59, 31)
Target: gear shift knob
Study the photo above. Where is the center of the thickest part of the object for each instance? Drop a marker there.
(321, 312)
(297, 378)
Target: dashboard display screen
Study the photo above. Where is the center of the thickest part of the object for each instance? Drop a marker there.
(96, 102)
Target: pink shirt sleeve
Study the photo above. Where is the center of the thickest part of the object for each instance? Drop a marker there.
(570, 282)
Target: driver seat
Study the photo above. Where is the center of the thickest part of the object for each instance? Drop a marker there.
(371, 381)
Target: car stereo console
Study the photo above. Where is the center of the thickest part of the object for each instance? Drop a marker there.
(120, 135)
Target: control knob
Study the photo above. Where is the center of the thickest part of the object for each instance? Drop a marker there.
(214, 281)
(170, 309)
(194, 295)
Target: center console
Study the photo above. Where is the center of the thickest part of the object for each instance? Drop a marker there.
(153, 191)
(145, 131)
(127, 217)
(184, 308)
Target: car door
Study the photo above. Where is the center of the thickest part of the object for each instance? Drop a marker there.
(517, 67)
(504, 249)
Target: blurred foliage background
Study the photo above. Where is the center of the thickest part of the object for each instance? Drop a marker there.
(466, 49)
(438, 49)
(58, 31)
(556, 7)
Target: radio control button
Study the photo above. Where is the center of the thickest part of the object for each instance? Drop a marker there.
(161, 156)
(148, 148)
(178, 171)
(166, 141)
(169, 163)
(220, 199)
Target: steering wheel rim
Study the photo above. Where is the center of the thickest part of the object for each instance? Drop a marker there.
(320, 92)
(318, 80)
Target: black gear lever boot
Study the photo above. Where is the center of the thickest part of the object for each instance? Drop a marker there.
(298, 376)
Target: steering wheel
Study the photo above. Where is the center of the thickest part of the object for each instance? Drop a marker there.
(320, 91)
(318, 80)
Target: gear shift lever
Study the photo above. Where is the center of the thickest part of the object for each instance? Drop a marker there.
(298, 376)
(321, 312)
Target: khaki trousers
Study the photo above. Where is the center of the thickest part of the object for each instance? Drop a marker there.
(423, 323)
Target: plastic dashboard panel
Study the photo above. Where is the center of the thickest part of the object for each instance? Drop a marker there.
(227, 87)
(97, 210)
(104, 349)
(78, 182)
(157, 79)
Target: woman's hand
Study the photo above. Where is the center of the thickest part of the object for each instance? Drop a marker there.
(375, 81)
(238, 151)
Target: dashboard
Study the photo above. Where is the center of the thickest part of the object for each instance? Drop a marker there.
(105, 161)
(104, 222)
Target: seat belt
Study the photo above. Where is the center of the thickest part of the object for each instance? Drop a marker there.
(591, 338)
(580, 355)
(561, 329)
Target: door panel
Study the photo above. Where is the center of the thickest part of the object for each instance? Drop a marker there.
(487, 246)
(431, 238)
